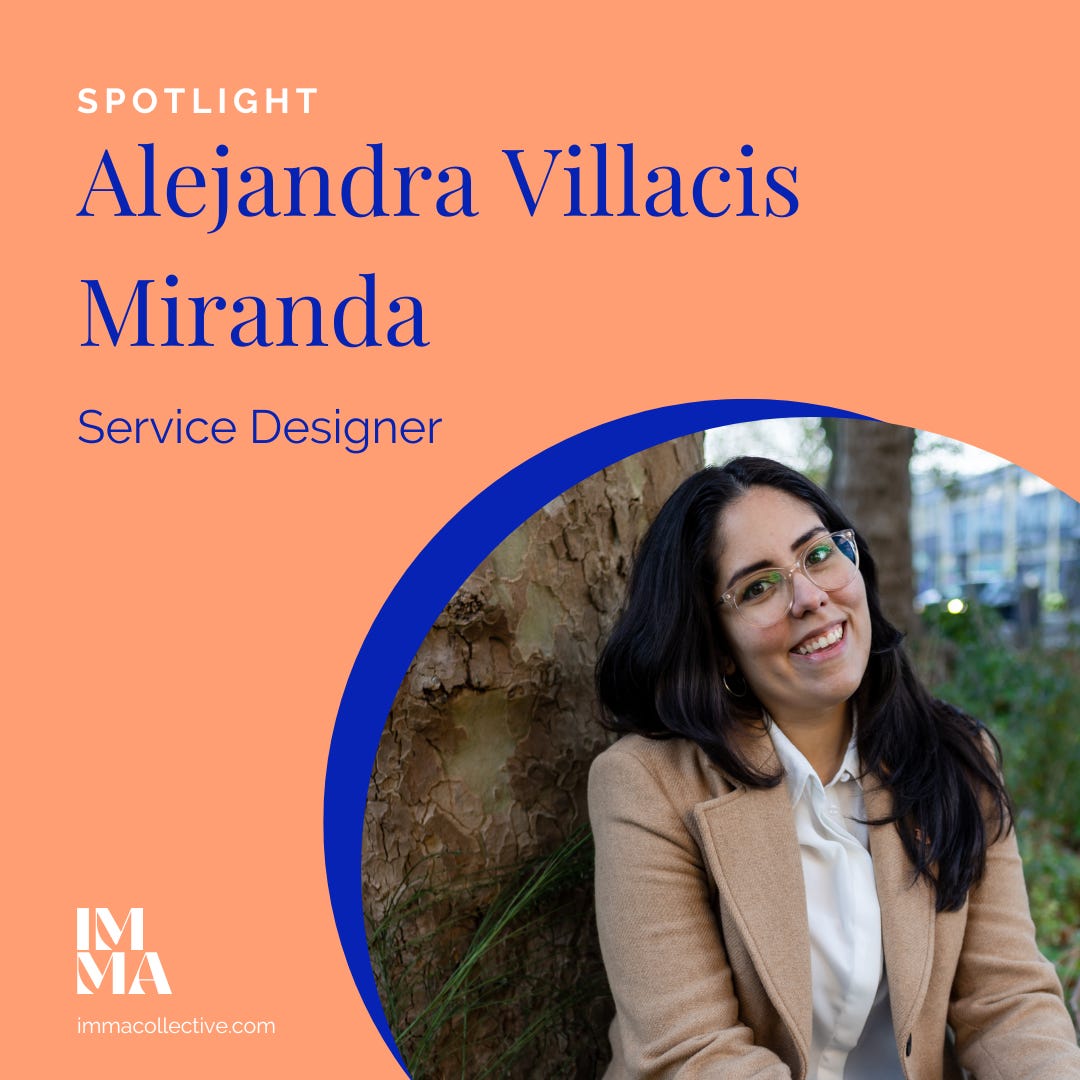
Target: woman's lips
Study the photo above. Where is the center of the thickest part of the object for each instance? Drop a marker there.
(823, 642)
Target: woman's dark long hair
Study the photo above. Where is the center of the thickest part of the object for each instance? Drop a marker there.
(660, 675)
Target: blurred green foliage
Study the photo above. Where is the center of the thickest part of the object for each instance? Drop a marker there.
(1030, 699)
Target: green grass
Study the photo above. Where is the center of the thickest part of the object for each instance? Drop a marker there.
(492, 977)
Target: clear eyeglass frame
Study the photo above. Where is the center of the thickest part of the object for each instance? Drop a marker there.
(845, 545)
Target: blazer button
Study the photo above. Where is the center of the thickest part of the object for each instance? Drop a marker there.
(907, 1049)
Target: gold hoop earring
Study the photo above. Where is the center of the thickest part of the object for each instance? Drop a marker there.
(736, 693)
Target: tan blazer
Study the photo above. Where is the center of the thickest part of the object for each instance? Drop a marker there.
(702, 917)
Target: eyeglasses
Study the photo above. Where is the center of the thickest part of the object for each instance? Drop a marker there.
(764, 597)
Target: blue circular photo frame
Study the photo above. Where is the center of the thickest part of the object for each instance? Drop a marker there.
(424, 590)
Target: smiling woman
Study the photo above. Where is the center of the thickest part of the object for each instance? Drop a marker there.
(805, 864)
(800, 638)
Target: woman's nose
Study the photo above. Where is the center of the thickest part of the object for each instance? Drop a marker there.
(805, 595)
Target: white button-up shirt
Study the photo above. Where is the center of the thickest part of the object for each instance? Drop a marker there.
(853, 1036)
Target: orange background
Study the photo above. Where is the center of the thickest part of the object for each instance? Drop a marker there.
(182, 620)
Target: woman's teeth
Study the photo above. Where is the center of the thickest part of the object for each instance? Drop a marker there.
(814, 644)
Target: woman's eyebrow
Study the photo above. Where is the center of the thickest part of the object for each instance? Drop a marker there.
(807, 535)
(763, 565)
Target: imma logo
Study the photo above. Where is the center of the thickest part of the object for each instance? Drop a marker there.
(112, 952)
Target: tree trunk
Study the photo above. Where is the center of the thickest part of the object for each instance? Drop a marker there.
(869, 478)
(482, 768)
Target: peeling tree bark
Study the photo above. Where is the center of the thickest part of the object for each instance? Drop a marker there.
(484, 759)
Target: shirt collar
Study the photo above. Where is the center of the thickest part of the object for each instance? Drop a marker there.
(798, 771)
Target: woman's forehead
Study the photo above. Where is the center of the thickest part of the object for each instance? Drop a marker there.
(762, 524)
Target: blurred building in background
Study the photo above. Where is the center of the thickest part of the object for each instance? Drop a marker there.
(988, 536)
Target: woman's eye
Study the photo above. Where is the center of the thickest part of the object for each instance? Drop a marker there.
(818, 554)
(760, 587)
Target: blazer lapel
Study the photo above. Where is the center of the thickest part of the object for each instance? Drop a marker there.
(748, 839)
(907, 914)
